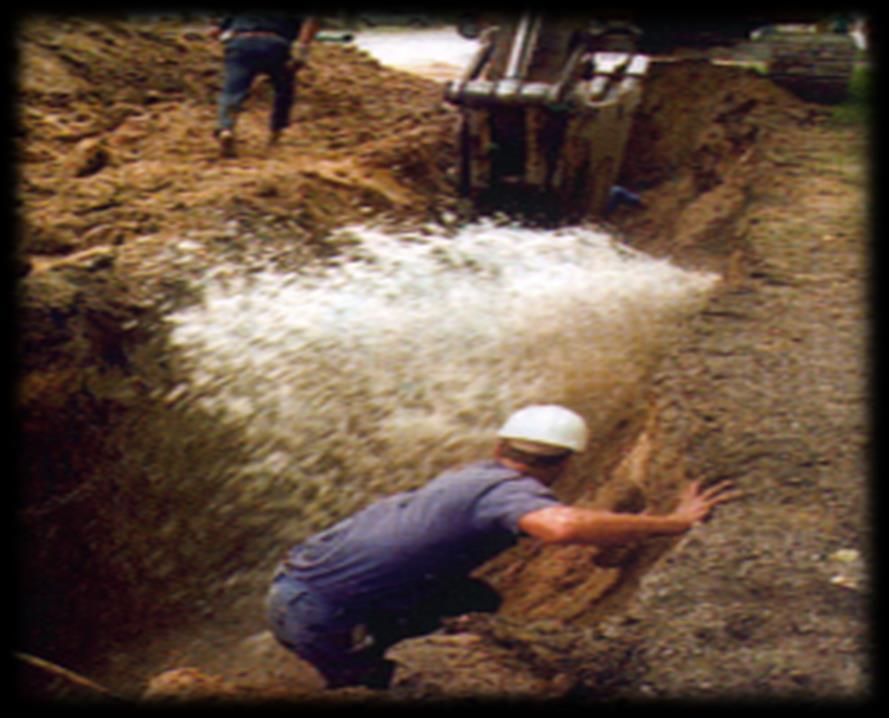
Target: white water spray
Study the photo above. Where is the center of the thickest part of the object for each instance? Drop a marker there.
(369, 377)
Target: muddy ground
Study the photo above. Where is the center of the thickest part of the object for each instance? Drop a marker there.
(123, 197)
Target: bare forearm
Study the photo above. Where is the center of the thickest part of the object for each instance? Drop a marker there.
(612, 529)
(575, 525)
(578, 525)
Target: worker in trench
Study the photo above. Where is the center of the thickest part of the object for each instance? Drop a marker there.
(396, 568)
(261, 44)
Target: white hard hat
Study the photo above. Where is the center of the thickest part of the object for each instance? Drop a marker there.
(549, 425)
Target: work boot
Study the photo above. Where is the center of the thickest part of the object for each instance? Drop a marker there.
(226, 140)
(275, 137)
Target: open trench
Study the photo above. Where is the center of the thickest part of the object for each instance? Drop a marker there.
(174, 447)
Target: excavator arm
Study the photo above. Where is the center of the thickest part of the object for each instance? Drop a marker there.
(546, 111)
(547, 101)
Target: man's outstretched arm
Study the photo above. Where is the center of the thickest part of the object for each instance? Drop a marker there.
(578, 525)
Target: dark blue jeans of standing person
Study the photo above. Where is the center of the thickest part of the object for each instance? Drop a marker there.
(325, 635)
(244, 59)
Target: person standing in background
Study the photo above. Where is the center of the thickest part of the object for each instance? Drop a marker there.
(260, 44)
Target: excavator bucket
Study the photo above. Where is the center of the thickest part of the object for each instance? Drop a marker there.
(545, 117)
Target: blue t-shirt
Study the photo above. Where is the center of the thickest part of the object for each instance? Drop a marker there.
(447, 528)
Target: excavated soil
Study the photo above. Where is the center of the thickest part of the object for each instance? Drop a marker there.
(123, 200)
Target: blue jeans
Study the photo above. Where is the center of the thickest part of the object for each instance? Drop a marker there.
(246, 58)
(323, 633)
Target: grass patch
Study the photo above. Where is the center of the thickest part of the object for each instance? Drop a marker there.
(857, 109)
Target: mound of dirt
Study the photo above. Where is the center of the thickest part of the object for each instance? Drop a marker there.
(696, 159)
(116, 123)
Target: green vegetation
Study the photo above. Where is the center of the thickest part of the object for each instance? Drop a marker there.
(857, 109)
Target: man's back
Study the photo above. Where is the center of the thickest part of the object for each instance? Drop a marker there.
(450, 526)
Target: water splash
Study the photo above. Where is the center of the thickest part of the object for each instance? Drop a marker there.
(367, 377)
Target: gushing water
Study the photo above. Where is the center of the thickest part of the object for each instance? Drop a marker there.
(367, 377)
